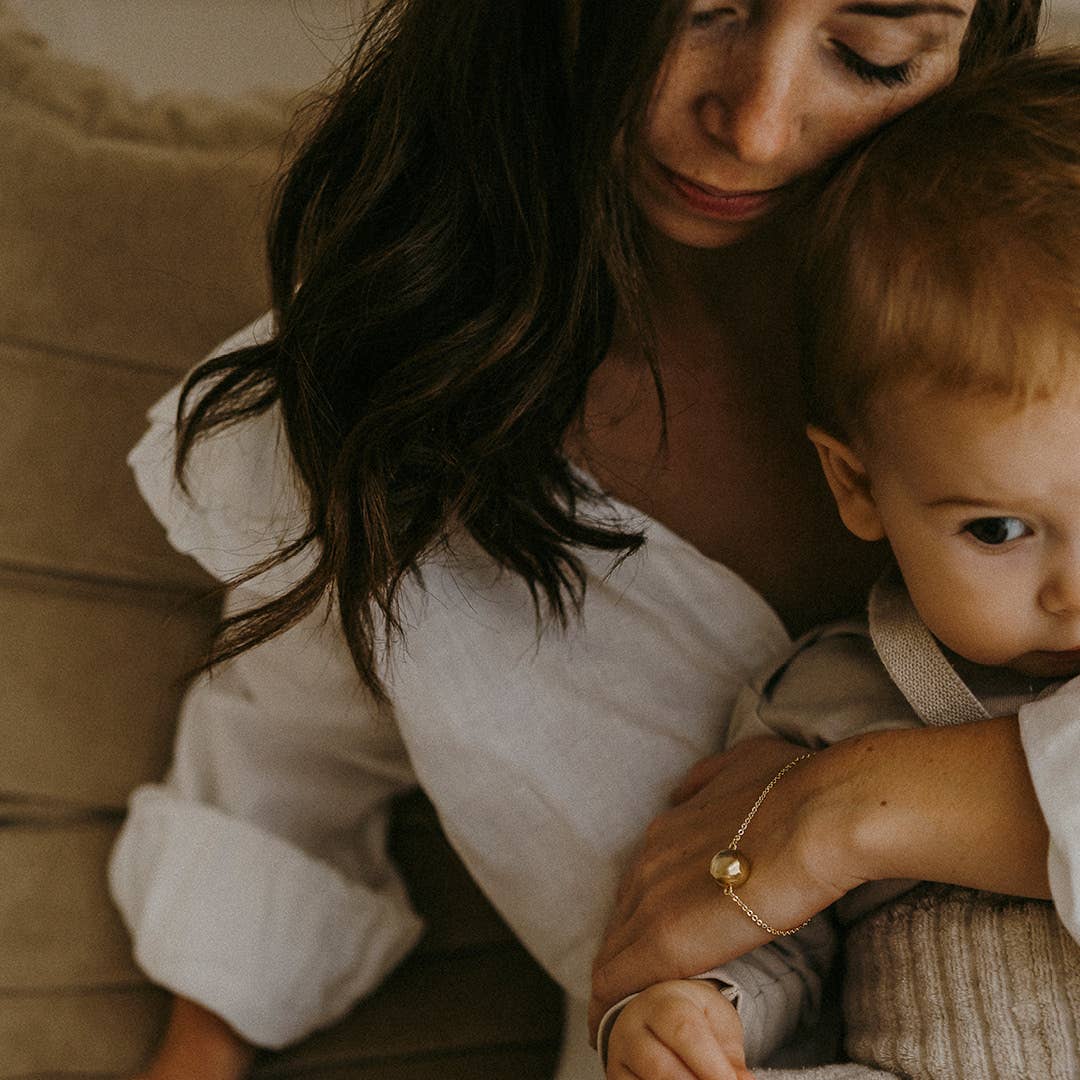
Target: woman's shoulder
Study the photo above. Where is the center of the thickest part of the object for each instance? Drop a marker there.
(243, 499)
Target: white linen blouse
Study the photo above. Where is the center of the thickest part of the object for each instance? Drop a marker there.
(254, 878)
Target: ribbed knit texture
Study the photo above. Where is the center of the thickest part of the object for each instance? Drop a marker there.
(826, 1072)
(952, 984)
(914, 660)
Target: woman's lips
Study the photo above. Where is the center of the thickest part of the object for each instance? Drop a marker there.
(714, 203)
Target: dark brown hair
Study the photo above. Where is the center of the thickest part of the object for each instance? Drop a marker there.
(447, 255)
(947, 252)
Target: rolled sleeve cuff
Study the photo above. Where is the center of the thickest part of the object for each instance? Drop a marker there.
(769, 997)
(273, 941)
(1050, 734)
(603, 1032)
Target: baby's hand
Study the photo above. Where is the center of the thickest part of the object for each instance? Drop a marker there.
(679, 1030)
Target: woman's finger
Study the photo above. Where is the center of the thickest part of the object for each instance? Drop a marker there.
(655, 956)
(698, 776)
(673, 921)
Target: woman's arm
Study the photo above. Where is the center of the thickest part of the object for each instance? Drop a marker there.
(199, 1044)
(952, 804)
(947, 804)
(266, 841)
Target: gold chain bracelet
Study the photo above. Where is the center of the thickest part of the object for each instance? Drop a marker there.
(730, 868)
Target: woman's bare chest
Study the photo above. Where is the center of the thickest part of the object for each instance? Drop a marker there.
(738, 479)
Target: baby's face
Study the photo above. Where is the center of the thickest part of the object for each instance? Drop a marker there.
(981, 504)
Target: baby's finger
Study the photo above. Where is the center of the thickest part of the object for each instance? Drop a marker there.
(652, 1060)
(703, 1056)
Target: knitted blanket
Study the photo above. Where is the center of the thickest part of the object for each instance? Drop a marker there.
(953, 984)
(826, 1072)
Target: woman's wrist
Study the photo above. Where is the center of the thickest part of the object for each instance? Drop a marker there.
(826, 821)
(844, 820)
(951, 804)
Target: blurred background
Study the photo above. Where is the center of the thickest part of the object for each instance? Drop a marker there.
(210, 46)
(231, 46)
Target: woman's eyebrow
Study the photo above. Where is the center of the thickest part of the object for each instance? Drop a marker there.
(903, 11)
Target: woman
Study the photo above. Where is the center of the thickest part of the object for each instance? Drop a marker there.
(514, 226)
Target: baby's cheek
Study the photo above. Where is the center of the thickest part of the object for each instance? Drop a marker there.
(967, 617)
(984, 628)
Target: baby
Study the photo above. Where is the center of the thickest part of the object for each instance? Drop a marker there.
(942, 345)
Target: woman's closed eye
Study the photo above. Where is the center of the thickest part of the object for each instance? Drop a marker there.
(996, 531)
(705, 17)
(721, 18)
(881, 74)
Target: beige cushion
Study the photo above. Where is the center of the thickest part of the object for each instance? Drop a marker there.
(130, 244)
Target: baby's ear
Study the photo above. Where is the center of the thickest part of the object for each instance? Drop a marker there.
(849, 483)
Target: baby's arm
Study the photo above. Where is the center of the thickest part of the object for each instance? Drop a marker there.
(680, 1030)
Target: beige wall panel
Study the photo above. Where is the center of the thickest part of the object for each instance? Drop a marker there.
(169, 259)
(68, 503)
(58, 928)
(65, 1035)
(90, 686)
(219, 48)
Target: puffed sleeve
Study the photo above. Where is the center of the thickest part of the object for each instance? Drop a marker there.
(1050, 733)
(254, 878)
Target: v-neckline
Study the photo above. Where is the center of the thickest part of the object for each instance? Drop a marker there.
(653, 527)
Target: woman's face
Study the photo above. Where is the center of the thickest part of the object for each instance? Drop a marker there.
(754, 94)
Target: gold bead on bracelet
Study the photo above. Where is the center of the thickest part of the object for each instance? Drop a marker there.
(730, 867)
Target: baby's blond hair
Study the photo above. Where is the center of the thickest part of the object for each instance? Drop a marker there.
(947, 251)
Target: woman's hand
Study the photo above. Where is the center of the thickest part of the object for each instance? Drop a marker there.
(199, 1046)
(671, 919)
(680, 1030)
(953, 804)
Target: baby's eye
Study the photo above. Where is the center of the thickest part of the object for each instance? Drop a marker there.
(995, 531)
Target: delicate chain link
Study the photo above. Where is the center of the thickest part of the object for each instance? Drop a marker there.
(761, 798)
(729, 890)
(754, 917)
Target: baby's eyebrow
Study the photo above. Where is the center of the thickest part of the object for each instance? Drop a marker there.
(965, 500)
(903, 11)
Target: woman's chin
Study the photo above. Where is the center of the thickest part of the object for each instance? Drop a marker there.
(707, 233)
(703, 234)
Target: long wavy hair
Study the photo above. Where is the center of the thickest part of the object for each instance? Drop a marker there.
(448, 251)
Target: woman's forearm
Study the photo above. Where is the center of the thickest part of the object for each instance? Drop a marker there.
(954, 805)
(951, 804)
(199, 1046)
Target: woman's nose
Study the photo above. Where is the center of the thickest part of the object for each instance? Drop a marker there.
(754, 111)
